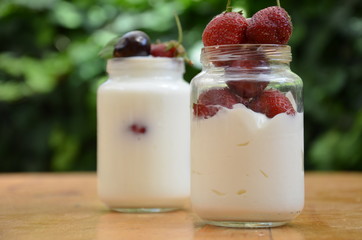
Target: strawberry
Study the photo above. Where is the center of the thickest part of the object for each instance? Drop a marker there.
(270, 25)
(251, 57)
(255, 63)
(210, 101)
(247, 88)
(167, 49)
(225, 28)
(171, 49)
(271, 103)
(161, 50)
(204, 111)
(220, 96)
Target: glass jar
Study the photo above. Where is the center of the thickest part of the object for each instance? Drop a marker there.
(143, 135)
(247, 148)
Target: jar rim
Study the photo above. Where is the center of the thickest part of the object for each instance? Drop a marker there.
(143, 59)
(145, 62)
(266, 52)
(248, 44)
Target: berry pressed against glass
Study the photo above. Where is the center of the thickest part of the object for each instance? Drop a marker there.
(247, 88)
(204, 111)
(138, 129)
(271, 103)
(210, 102)
(221, 96)
(255, 64)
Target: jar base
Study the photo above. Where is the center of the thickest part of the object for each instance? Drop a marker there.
(144, 210)
(235, 224)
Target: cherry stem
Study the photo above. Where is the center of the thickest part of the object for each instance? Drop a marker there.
(228, 6)
(278, 3)
(179, 28)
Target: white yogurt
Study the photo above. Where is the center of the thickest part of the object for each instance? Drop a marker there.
(143, 137)
(246, 167)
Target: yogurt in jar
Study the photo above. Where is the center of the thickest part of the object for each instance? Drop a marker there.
(143, 135)
(242, 170)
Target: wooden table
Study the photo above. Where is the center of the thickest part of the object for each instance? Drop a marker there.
(65, 206)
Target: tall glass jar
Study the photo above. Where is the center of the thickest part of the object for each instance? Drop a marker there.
(247, 148)
(143, 135)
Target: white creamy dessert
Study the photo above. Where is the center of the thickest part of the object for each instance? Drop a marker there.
(143, 136)
(246, 167)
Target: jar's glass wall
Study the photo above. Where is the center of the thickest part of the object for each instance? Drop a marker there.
(143, 159)
(247, 137)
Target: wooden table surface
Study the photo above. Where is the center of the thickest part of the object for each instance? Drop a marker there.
(65, 206)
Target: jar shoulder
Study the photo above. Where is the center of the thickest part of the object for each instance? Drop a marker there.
(280, 75)
(290, 76)
(158, 86)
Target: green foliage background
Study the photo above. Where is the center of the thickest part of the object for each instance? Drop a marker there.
(50, 70)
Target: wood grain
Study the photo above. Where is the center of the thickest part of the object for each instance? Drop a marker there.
(66, 206)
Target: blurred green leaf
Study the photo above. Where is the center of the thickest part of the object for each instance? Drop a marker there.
(107, 51)
(50, 70)
(65, 149)
(38, 4)
(337, 149)
(67, 15)
(40, 76)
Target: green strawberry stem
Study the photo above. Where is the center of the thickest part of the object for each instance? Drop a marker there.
(179, 29)
(228, 6)
(178, 45)
(278, 3)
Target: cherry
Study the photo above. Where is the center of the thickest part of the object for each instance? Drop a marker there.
(134, 43)
(138, 129)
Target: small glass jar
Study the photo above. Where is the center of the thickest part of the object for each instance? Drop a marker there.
(247, 148)
(143, 135)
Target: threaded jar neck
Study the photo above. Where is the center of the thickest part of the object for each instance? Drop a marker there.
(145, 67)
(244, 55)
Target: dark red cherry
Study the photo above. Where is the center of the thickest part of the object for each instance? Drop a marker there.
(138, 129)
(134, 43)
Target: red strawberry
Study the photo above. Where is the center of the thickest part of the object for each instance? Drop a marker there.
(167, 49)
(204, 111)
(225, 28)
(270, 25)
(253, 64)
(247, 88)
(171, 49)
(246, 56)
(250, 63)
(221, 96)
(248, 21)
(271, 103)
(209, 102)
(161, 50)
